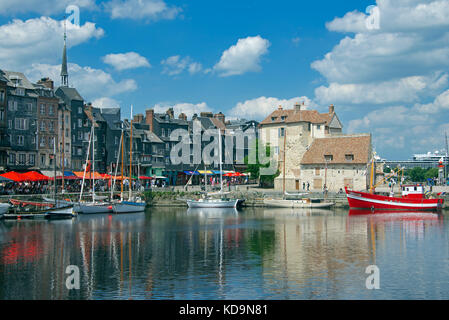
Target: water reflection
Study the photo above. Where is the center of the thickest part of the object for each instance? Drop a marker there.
(224, 254)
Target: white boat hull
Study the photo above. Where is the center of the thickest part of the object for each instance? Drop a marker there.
(304, 203)
(128, 207)
(212, 203)
(66, 212)
(4, 207)
(90, 208)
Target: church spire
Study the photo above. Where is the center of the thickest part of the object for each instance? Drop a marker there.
(64, 73)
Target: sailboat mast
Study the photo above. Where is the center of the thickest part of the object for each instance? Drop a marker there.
(221, 172)
(93, 162)
(85, 166)
(123, 159)
(283, 164)
(131, 155)
(371, 188)
(116, 166)
(54, 162)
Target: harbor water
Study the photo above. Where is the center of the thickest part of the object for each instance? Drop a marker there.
(175, 253)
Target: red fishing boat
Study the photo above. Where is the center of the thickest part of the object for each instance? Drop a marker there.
(413, 198)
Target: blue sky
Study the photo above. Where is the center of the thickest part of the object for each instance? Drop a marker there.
(246, 58)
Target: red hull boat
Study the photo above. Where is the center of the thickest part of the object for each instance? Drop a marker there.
(413, 198)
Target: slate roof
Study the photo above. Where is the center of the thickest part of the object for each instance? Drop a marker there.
(69, 94)
(339, 146)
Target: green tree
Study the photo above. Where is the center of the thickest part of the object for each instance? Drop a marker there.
(254, 168)
(431, 173)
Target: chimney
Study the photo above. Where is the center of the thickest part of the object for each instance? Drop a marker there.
(331, 108)
(220, 116)
(46, 82)
(149, 118)
(182, 116)
(171, 113)
(297, 106)
(280, 108)
(206, 114)
(138, 118)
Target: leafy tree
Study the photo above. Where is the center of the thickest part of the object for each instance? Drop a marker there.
(254, 168)
(431, 173)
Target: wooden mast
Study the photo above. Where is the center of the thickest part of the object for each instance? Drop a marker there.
(283, 170)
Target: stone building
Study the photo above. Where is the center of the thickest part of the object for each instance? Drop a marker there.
(336, 162)
(295, 129)
(47, 123)
(21, 114)
(4, 139)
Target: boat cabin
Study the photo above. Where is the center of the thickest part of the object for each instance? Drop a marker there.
(413, 191)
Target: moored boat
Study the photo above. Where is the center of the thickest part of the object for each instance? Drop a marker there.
(213, 203)
(412, 198)
(4, 207)
(124, 206)
(91, 208)
(300, 203)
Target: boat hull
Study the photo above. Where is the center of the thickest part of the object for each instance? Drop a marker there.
(4, 207)
(274, 203)
(212, 203)
(60, 213)
(363, 200)
(92, 208)
(128, 207)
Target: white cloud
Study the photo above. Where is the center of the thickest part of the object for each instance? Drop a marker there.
(187, 108)
(124, 61)
(150, 10)
(175, 65)
(91, 83)
(46, 7)
(242, 57)
(105, 102)
(260, 108)
(407, 89)
(40, 40)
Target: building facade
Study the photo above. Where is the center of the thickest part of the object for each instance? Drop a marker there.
(293, 132)
(21, 115)
(4, 139)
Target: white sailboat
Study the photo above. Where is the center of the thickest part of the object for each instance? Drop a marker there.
(207, 201)
(133, 204)
(94, 206)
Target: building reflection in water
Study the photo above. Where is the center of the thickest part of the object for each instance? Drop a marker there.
(201, 254)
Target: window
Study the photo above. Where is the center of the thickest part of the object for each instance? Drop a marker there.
(32, 159)
(349, 157)
(20, 140)
(67, 119)
(51, 125)
(22, 158)
(33, 140)
(12, 105)
(273, 119)
(66, 133)
(80, 135)
(43, 159)
(328, 157)
(163, 132)
(80, 123)
(2, 96)
(42, 108)
(21, 124)
(318, 127)
(281, 132)
(51, 109)
(116, 140)
(20, 91)
(283, 118)
(276, 150)
(167, 146)
(79, 151)
(29, 107)
(51, 142)
(2, 115)
(12, 158)
(42, 125)
(317, 171)
(9, 124)
(169, 133)
(80, 110)
(42, 143)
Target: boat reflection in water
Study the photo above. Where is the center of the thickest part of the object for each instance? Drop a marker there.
(212, 212)
(296, 212)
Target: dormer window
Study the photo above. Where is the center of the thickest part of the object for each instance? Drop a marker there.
(283, 118)
(328, 157)
(273, 119)
(349, 157)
